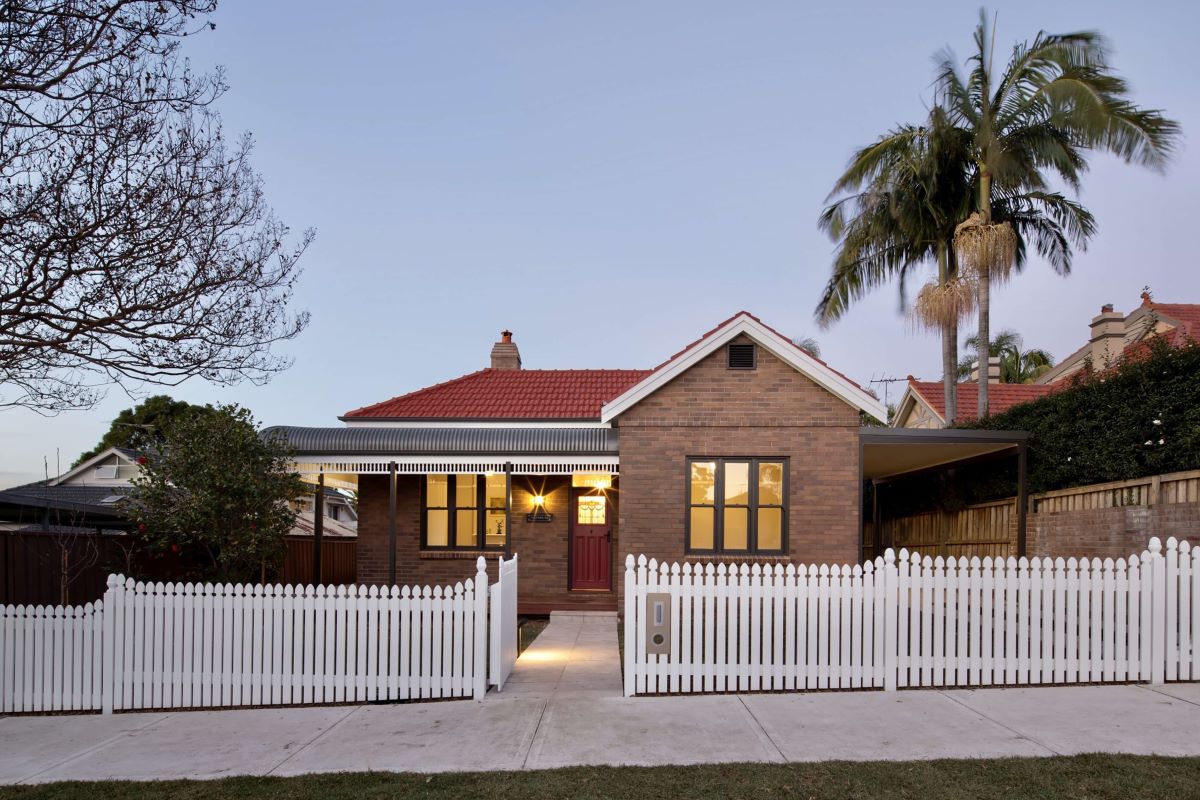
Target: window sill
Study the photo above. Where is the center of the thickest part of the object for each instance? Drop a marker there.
(783, 558)
(452, 554)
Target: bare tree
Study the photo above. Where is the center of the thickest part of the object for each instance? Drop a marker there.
(136, 245)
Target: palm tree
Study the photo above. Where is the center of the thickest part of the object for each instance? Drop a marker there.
(1016, 365)
(1056, 100)
(908, 192)
(900, 199)
(809, 345)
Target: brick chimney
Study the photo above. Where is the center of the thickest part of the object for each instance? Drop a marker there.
(1106, 336)
(993, 371)
(505, 354)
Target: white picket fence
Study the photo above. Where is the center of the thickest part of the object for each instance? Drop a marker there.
(185, 645)
(913, 622)
(504, 623)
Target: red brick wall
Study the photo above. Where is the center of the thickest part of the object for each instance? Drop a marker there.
(769, 411)
(1109, 532)
(541, 546)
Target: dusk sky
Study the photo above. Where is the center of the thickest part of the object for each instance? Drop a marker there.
(610, 180)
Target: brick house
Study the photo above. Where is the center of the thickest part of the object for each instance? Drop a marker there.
(1112, 336)
(741, 446)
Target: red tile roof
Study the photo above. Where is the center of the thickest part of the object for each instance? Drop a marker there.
(510, 394)
(1001, 396)
(1186, 314)
(532, 394)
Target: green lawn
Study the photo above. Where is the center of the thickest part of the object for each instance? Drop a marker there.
(1092, 777)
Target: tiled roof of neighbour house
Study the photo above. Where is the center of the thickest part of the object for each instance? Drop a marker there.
(511, 394)
(68, 497)
(1001, 396)
(1187, 315)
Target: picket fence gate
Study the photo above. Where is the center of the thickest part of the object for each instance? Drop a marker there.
(504, 623)
(194, 645)
(912, 622)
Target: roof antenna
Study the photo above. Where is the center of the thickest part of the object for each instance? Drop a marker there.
(46, 466)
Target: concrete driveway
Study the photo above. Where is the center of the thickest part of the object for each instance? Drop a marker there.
(563, 707)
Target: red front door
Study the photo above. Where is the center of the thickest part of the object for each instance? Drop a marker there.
(591, 532)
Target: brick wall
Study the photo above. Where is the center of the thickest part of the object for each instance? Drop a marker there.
(1110, 532)
(769, 411)
(542, 546)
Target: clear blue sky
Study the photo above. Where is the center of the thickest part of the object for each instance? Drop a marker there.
(611, 179)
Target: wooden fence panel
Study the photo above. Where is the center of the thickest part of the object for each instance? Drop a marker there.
(32, 565)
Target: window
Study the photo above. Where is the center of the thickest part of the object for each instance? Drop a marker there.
(591, 509)
(737, 505)
(464, 512)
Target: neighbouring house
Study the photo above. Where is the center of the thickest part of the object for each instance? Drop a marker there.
(84, 497)
(1112, 336)
(741, 447)
(87, 497)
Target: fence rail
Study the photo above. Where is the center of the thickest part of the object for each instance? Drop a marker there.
(913, 621)
(184, 645)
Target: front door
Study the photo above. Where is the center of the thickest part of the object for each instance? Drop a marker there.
(591, 532)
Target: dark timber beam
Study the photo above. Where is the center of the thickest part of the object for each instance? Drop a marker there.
(1022, 498)
(392, 524)
(318, 527)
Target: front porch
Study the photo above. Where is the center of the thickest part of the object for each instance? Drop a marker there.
(432, 500)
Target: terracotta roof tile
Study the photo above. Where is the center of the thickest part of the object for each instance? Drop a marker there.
(1001, 396)
(510, 394)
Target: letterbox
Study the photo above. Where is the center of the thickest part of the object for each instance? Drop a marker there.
(658, 624)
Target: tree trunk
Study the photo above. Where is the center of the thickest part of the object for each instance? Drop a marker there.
(949, 343)
(985, 286)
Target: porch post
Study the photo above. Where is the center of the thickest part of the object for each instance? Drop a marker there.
(1022, 498)
(876, 521)
(392, 524)
(318, 528)
(508, 508)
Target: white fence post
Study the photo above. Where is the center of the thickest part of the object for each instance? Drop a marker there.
(891, 604)
(1158, 617)
(630, 623)
(108, 678)
(479, 676)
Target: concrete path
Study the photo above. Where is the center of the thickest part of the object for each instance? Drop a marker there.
(562, 706)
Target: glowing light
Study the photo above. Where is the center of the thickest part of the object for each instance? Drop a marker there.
(539, 500)
(591, 480)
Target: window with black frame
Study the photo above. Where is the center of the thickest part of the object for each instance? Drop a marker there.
(737, 505)
(464, 512)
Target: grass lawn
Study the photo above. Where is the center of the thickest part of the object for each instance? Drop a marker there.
(1093, 777)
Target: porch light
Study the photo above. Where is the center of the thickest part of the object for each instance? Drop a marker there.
(539, 500)
(591, 480)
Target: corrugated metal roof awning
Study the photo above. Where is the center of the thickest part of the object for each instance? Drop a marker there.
(385, 441)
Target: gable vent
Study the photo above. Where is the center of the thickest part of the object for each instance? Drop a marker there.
(740, 356)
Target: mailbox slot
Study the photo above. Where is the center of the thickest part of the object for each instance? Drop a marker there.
(658, 624)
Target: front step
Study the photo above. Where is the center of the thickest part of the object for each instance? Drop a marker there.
(572, 614)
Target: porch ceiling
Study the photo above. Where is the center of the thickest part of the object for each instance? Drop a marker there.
(892, 452)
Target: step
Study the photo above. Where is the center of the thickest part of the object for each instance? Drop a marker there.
(572, 614)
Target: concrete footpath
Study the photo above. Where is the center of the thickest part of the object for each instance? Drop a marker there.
(563, 706)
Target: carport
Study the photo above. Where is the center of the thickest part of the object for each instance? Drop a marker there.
(891, 454)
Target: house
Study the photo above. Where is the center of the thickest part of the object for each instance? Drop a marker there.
(86, 498)
(1111, 336)
(740, 446)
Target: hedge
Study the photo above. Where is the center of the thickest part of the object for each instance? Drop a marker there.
(1139, 418)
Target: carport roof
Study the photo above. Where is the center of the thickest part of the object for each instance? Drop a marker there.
(889, 453)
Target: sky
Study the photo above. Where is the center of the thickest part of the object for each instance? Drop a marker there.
(611, 179)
